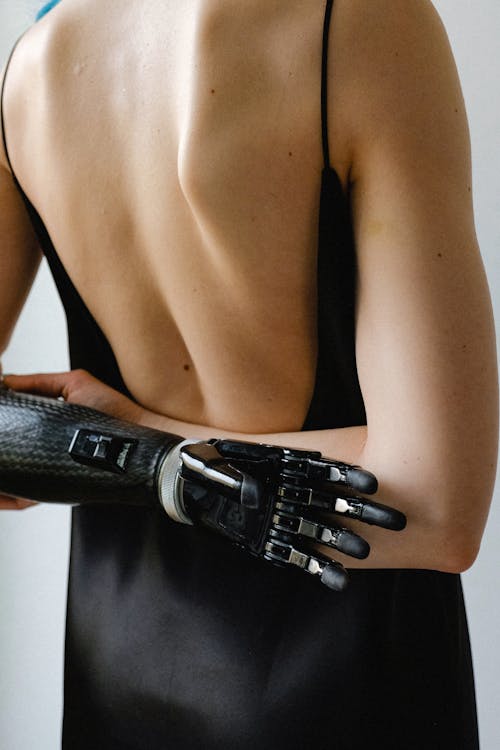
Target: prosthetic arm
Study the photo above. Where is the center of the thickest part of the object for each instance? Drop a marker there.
(274, 502)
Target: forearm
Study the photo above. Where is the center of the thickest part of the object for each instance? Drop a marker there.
(20, 256)
(437, 472)
(432, 539)
(345, 444)
(264, 498)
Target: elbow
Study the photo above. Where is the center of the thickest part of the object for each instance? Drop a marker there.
(454, 545)
(458, 559)
(458, 525)
(448, 534)
(445, 495)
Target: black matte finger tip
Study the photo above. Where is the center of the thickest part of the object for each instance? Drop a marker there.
(383, 516)
(362, 480)
(335, 577)
(393, 520)
(354, 545)
(399, 521)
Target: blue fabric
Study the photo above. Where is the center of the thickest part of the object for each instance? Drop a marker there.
(48, 6)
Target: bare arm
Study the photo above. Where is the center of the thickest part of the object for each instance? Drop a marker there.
(19, 255)
(19, 260)
(424, 333)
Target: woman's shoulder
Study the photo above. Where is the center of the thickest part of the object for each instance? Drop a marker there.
(388, 49)
(391, 65)
(18, 70)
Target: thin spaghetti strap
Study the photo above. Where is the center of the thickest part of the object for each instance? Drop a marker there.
(2, 118)
(324, 81)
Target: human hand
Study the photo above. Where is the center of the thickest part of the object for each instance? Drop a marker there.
(77, 387)
(15, 503)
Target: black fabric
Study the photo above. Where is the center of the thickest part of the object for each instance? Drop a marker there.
(175, 639)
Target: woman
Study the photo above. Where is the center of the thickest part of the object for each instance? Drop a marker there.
(171, 164)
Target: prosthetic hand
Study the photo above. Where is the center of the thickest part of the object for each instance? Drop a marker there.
(274, 502)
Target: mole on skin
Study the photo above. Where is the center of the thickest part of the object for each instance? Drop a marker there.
(186, 367)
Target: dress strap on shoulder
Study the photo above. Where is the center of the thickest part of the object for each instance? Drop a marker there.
(324, 82)
(2, 116)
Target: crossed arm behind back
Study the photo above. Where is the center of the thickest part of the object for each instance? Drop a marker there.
(425, 340)
(424, 330)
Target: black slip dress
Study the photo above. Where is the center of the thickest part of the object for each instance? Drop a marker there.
(177, 640)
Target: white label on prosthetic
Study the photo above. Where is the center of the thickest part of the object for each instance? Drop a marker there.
(341, 505)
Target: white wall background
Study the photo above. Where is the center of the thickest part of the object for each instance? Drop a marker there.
(34, 544)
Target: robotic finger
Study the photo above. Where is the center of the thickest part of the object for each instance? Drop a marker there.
(277, 505)
(338, 538)
(267, 499)
(358, 508)
(281, 551)
(301, 479)
(300, 464)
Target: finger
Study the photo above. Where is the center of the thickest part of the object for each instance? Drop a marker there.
(10, 503)
(361, 480)
(374, 514)
(358, 508)
(53, 385)
(203, 462)
(335, 576)
(343, 540)
(314, 468)
(280, 550)
(24, 504)
(353, 477)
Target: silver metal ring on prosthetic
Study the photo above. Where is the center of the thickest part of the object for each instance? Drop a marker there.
(170, 484)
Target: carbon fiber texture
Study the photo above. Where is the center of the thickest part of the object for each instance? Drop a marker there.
(35, 463)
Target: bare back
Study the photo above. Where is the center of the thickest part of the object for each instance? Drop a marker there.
(178, 172)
